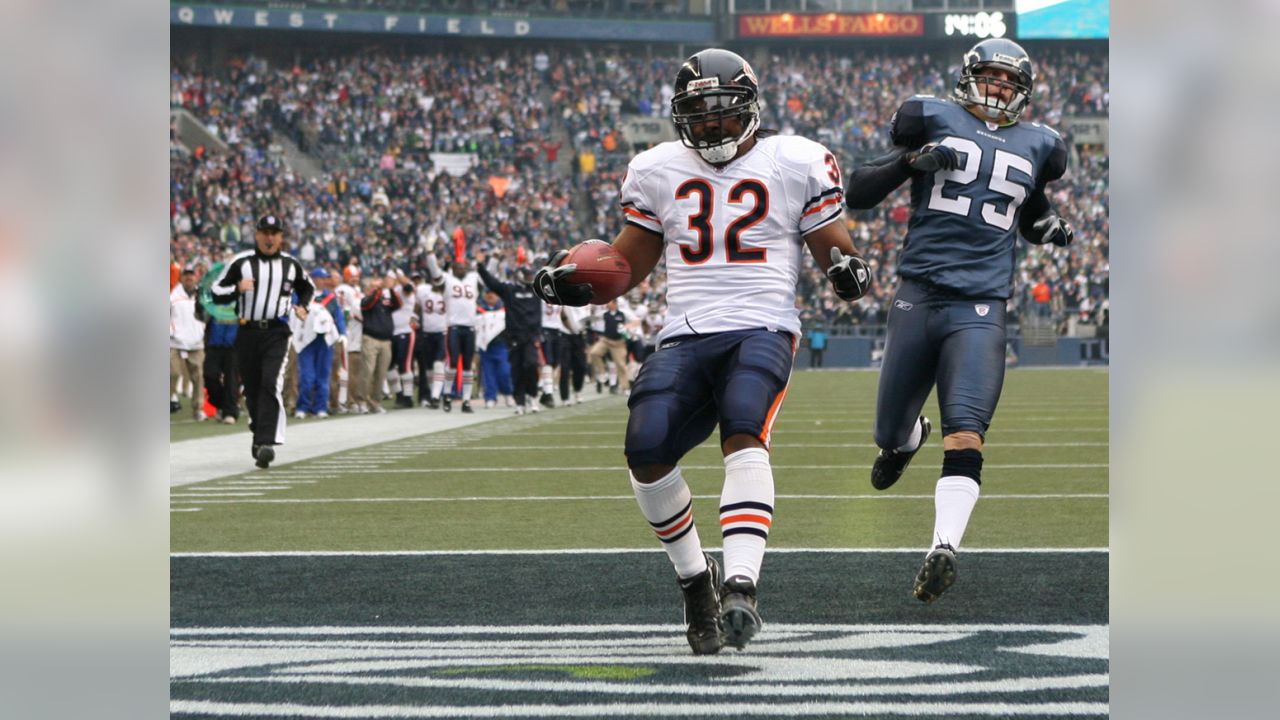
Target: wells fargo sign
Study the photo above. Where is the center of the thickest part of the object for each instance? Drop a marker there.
(832, 25)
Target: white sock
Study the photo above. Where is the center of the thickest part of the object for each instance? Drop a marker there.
(668, 506)
(173, 397)
(468, 380)
(746, 511)
(953, 501)
(545, 375)
(393, 382)
(913, 441)
(344, 380)
(437, 379)
(406, 383)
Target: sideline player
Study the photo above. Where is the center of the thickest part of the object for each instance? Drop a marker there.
(432, 356)
(461, 291)
(977, 180)
(730, 207)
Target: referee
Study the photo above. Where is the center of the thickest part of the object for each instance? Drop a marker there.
(261, 283)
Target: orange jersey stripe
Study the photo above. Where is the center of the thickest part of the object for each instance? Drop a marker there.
(761, 519)
(636, 213)
(834, 199)
(672, 530)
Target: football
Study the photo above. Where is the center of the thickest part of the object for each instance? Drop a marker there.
(604, 268)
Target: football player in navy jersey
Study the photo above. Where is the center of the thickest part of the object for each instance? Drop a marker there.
(978, 177)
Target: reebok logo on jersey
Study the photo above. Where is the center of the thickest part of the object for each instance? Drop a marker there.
(982, 309)
(902, 305)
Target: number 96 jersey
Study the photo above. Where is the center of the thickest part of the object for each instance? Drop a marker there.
(964, 222)
(733, 234)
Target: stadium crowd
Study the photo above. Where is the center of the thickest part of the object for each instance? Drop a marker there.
(539, 132)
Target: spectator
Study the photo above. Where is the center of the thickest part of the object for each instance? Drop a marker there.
(186, 344)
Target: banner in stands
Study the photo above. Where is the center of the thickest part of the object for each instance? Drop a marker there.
(645, 130)
(785, 25)
(695, 31)
(1086, 130)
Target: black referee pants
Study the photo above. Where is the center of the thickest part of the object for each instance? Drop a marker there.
(262, 354)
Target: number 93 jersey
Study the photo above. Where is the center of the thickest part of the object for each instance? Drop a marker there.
(964, 222)
(733, 234)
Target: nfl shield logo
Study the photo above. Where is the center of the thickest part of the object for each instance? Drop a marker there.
(982, 309)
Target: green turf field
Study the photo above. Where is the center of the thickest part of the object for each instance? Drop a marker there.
(468, 574)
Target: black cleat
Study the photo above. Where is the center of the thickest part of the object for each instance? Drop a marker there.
(702, 610)
(448, 403)
(434, 403)
(264, 456)
(547, 401)
(404, 401)
(890, 464)
(174, 406)
(599, 387)
(738, 611)
(253, 451)
(466, 406)
(936, 575)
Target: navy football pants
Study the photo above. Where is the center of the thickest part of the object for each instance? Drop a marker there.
(736, 379)
(934, 337)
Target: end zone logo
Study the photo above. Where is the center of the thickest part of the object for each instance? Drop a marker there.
(795, 670)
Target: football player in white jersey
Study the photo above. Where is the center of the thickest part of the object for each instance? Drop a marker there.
(461, 291)
(731, 209)
(403, 339)
(432, 353)
(553, 331)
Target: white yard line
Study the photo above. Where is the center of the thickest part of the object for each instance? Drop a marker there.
(611, 551)
(358, 470)
(207, 499)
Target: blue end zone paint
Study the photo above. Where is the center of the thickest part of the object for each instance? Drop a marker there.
(601, 589)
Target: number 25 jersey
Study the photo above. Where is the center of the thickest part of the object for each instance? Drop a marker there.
(964, 222)
(733, 234)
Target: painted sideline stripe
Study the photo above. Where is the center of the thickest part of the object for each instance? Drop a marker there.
(558, 498)
(629, 628)
(599, 710)
(610, 551)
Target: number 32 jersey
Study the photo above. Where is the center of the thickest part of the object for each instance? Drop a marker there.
(733, 234)
(964, 222)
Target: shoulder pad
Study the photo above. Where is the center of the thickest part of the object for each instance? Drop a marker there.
(798, 150)
(907, 126)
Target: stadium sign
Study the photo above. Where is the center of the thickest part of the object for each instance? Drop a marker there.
(437, 25)
(788, 25)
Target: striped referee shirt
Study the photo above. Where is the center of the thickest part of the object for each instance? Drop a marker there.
(276, 278)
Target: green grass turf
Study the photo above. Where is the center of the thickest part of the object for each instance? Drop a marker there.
(540, 456)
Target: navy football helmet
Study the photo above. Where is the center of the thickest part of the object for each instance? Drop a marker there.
(711, 87)
(1005, 55)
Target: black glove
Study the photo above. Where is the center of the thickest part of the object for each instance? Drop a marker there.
(932, 158)
(1054, 229)
(850, 275)
(549, 283)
